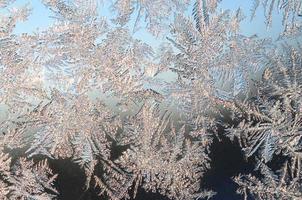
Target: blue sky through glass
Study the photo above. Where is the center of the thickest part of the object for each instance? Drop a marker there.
(40, 18)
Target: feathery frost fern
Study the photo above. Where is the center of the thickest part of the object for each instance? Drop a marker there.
(86, 90)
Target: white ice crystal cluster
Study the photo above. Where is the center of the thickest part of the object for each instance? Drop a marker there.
(85, 90)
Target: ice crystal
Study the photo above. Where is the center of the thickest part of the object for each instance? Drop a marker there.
(214, 62)
(291, 11)
(271, 124)
(26, 180)
(283, 185)
(156, 13)
(86, 90)
(161, 158)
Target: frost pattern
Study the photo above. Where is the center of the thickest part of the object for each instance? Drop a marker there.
(284, 185)
(156, 13)
(161, 158)
(86, 90)
(26, 180)
(270, 126)
(291, 11)
(214, 62)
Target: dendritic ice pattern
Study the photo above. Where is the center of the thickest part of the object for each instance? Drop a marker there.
(135, 117)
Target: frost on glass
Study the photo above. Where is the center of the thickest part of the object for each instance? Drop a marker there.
(269, 126)
(291, 10)
(26, 180)
(285, 184)
(132, 117)
(155, 14)
(215, 61)
(161, 158)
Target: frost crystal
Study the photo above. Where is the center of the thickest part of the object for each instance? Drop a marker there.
(131, 117)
